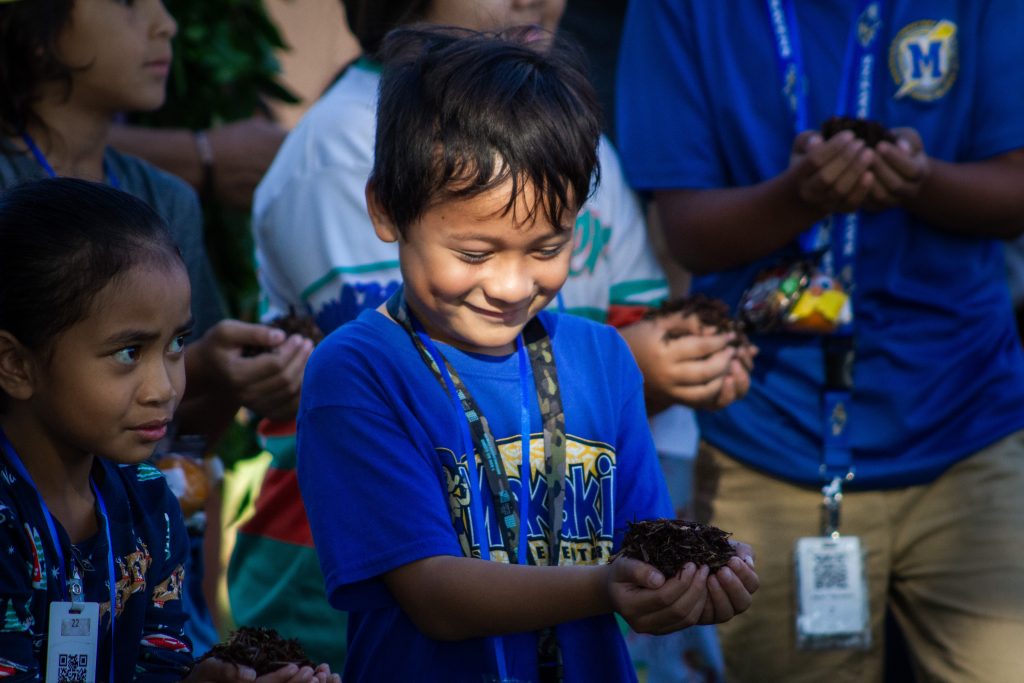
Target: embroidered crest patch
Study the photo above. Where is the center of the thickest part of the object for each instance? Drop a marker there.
(924, 59)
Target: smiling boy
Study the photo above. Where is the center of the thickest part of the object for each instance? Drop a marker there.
(486, 149)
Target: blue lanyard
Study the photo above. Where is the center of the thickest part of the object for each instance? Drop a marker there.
(40, 158)
(838, 254)
(475, 505)
(525, 380)
(854, 99)
(51, 525)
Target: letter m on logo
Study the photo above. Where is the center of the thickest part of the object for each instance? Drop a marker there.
(922, 60)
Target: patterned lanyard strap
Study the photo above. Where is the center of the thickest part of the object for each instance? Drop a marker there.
(542, 362)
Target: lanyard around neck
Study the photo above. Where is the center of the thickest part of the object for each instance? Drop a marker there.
(75, 593)
(477, 437)
(854, 99)
(536, 359)
(44, 163)
(837, 251)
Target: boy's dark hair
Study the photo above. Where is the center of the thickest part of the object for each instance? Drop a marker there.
(461, 113)
(28, 56)
(62, 240)
(370, 20)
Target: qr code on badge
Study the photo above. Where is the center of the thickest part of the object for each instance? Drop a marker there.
(72, 668)
(830, 571)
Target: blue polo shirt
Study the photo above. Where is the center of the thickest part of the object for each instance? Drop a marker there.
(939, 372)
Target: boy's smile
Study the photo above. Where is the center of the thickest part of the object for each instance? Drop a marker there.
(474, 273)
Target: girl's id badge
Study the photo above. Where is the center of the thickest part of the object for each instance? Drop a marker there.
(832, 594)
(73, 642)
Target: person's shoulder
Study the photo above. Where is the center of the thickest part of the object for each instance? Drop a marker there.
(360, 362)
(334, 135)
(355, 87)
(140, 480)
(165, 192)
(16, 167)
(351, 101)
(367, 341)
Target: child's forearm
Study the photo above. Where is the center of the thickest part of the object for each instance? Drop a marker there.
(454, 598)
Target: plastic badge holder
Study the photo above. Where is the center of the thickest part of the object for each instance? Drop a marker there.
(831, 594)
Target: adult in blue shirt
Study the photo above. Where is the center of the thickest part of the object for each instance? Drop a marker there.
(926, 439)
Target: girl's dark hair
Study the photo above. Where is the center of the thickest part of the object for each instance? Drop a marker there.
(370, 20)
(28, 56)
(62, 240)
(462, 112)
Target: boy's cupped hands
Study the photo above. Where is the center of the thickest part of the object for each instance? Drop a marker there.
(656, 604)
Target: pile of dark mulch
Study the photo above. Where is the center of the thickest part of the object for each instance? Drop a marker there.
(668, 544)
(263, 649)
(293, 323)
(871, 132)
(710, 311)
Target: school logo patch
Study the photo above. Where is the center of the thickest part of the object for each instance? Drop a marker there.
(924, 59)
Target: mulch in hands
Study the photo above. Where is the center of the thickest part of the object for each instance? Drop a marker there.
(871, 132)
(293, 323)
(711, 312)
(668, 544)
(262, 649)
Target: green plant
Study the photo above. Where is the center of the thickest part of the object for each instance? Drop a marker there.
(224, 64)
(224, 69)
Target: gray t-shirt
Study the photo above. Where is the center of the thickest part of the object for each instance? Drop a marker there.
(170, 197)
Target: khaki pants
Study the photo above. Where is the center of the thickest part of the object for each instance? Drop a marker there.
(947, 558)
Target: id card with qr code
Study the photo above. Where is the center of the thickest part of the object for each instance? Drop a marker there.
(71, 646)
(832, 593)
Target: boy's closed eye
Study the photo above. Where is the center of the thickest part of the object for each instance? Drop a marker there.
(473, 256)
(552, 251)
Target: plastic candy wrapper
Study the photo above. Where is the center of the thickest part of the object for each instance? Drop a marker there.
(796, 297)
(188, 478)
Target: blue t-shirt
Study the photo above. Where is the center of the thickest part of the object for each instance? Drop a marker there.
(382, 470)
(150, 544)
(939, 372)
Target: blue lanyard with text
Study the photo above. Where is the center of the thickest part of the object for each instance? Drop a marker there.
(838, 254)
(854, 99)
(40, 158)
(73, 595)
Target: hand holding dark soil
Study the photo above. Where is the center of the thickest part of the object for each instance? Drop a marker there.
(871, 132)
(293, 323)
(261, 649)
(668, 544)
(713, 313)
